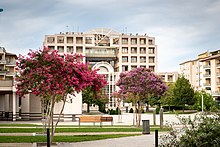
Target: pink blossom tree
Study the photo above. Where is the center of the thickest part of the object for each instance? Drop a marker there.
(45, 73)
(140, 83)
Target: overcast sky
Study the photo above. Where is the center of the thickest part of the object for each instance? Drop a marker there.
(182, 28)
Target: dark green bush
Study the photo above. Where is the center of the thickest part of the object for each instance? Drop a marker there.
(157, 110)
(131, 110)
(202, 131)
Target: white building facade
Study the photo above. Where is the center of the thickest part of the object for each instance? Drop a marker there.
(111, 51)
(204, 73)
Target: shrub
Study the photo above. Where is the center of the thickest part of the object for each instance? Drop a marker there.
(157, 110)
(118, 111)
(200, 131)
(131, 110)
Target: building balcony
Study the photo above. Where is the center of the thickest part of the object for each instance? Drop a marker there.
(3, 72)
(206, 66)
(207, 75)
(101, 53)
(2, 61)
(10, 63)
(216, 93)
(207, 84)
(218, 83)
(218, 65)
(6, 83)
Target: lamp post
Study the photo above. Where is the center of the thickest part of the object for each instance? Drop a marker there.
(202, 103)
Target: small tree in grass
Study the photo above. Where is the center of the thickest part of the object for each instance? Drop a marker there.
(140, 83)
(183, 92)
(52, 77)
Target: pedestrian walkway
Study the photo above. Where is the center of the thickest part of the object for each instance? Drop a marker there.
(147, 140)
(126, 120)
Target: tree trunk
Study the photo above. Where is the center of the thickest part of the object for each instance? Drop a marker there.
(88, 105)
(61, 111)
(135, 112)
(139, 115)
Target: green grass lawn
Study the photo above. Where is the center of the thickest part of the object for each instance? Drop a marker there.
(77, 138)
(19, 125)
(61, 130)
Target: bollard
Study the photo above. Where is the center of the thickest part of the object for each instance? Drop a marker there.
(146, 126)
(156, 138)
(161, 117)
(154, 116)
(48, 137)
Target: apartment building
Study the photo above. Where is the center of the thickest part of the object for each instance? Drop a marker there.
(8, 100)
(204, 72)
(110, 51)
(168, 77)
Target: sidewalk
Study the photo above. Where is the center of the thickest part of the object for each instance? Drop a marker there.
(132, 141)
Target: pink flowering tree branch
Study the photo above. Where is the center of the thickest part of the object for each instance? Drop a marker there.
(47, 74)
(140, 83)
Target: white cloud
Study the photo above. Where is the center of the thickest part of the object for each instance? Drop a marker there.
(183, 29)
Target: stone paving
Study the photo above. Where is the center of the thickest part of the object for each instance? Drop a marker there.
(127, 119)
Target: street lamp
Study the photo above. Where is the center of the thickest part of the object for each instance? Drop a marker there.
(202, 103)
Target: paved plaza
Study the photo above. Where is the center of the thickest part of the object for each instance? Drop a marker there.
(126, 119)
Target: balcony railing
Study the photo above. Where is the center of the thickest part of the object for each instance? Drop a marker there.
(101, 53)
(216, 93)
(207, 84)
(2, 61)
(206, 66)
(6, 83)
(207, 75)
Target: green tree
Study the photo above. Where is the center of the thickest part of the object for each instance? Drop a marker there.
(90, 96)
(208, 101)
(183, 92)
(168, 98)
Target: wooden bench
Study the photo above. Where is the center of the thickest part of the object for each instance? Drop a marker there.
(95, 119)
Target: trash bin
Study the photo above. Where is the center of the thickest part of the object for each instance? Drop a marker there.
(146, 126)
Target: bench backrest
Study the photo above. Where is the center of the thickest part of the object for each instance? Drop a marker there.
(90, 118)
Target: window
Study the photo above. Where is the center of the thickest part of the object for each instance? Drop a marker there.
(150, 41)
(69, 49)
(88, 40)
(51, 48)
(133, 50)
(151, 60)
(115, 40)
(50, 39)
(69, 39)
(79, 49)
(132, 67)
(79, 40)
(60, 39)
(124, 59)
(142, 59)
(143, 66)
(133, 59)
(151, 50)
(124, 40)
(142, 41)
(152, 68)
(124, 50)
(133, 40)
(60, 49)
(143, 50)
(124, 68)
